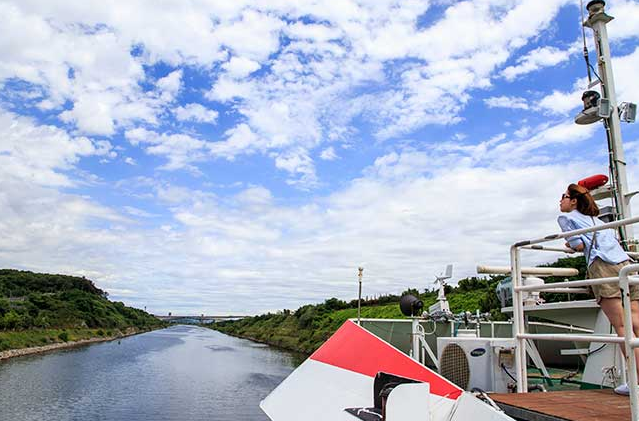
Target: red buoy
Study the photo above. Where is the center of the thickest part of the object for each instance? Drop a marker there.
(593, 181)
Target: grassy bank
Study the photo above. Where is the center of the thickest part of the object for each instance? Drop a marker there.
(39, 337)
(306, 328)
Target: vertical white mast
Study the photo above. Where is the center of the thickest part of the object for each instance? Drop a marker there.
(597, 20)
(360, 273)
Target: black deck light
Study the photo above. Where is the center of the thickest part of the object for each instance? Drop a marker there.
(595, 108)
(595, 6)
(590, 99)
(411, 306)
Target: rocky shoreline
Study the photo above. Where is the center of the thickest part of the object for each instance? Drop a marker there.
(12, 353)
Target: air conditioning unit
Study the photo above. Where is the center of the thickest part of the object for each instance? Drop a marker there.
(484, 363)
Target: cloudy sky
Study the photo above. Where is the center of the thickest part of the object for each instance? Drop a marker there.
(211, 156)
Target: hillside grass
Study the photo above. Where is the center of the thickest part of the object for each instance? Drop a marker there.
(39, 337)
(306, 328)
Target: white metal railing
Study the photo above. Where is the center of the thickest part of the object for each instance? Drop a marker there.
(519, 327)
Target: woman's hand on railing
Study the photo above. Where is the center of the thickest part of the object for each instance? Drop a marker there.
(579, 247)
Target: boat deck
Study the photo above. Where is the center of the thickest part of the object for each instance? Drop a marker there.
(576, 405)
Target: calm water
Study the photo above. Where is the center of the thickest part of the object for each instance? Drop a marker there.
(181, 373)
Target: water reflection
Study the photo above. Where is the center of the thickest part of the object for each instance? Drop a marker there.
(180, 373)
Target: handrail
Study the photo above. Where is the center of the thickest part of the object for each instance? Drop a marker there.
(543, 271)
(624, 280)
(582, 283)
(544, 248)
(608, 225)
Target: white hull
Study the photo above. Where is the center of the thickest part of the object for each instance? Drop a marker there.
(341, 375)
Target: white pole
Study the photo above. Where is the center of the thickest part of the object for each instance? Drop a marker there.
(571, 337)
(518, 321)
(597, 21)
(360, 273)
(415, 335)
(631, 362)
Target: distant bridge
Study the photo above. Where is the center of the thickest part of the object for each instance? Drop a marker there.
(197, 318)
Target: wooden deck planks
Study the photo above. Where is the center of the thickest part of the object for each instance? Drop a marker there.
(578, 405)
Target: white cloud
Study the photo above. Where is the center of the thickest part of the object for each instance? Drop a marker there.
(92, 113)
(257, 195)
(537, 149)
(133, 211)
(130, 161)
(626, 23)
(329, 154)
(507, 102)
(561, 102)
(180, 150)
(170, 85)
(254, 36)
(240, 139)
(229, 89)
(313, 32)
(539, 58)
(239, 67)
(299, 163)
(625, 69)
(305, 92)
(40, 154)
(196, 112)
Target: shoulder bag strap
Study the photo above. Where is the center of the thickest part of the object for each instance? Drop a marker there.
(593, 243)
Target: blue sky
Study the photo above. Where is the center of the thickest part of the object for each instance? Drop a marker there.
(241, 157)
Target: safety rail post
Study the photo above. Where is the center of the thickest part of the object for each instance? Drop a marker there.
(518, 320)
(519, 327)
(631, 361)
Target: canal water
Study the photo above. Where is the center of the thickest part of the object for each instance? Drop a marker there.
(177, 374)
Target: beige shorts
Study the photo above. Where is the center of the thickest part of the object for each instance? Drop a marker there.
(601, 269)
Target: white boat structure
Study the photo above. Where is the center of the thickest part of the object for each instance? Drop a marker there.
(357, 374)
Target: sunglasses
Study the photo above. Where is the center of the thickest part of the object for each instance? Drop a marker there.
(565, 196)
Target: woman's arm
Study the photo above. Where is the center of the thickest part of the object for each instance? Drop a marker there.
(567, 224)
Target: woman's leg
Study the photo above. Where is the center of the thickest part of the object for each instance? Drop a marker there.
(613, 309)
(634, 308)
(635, 317)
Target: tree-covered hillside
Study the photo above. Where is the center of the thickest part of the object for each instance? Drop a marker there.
(41, 301)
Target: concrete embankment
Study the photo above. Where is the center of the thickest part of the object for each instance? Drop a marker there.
(11, 353)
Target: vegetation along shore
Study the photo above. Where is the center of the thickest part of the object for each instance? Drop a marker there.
(306, 328)
(41, 312)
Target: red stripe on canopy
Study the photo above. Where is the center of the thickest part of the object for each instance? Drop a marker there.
(356, 349)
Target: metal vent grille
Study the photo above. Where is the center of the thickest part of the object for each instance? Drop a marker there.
(454, 365)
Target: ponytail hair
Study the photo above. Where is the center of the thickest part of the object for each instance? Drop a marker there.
(585, 202)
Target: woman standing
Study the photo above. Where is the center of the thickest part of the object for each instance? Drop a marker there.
(605, 258)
